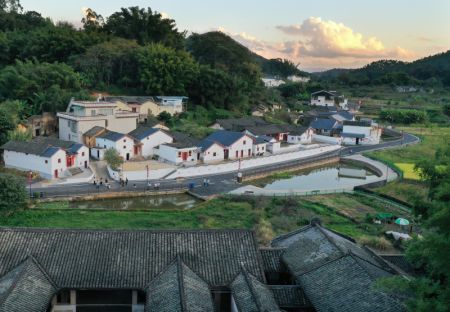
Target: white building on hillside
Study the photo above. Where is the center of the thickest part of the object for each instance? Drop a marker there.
(51, 159)
(82, 116)
(149, 139)
(122, 143)
(328, 98)
(295, 78)
(272, 82)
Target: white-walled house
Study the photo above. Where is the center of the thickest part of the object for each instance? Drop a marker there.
(235, 145)
(122, 143)
(360, 132)
(211, 152)
(301, 135)
(259, 146)
(49, 160)
(182, 151)
(328, 98)
(149, 138)
(82, 116)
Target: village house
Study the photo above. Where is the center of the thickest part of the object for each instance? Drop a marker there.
(325, 126)
(235, 145)
(259, 146)
(49, 157)
(278, 132)
(82, 116)
(301, 79)
(149, 138)
(45, 124)
(301, 135)
(191, 270)
(182, 150)
(272, 145)
(363, 132)
(147, 106)
(90, 136)
(238, 124)
(272, 82)
(155, 123)
(122, 143)
(328, 98)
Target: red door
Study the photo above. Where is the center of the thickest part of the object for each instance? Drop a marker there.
(56, 173)
(184, 156)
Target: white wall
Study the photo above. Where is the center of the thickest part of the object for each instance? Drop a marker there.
(171, 154)
(322, 101)
(259, 148)
(24, 162)
(273, 147)
(214, 153)
(326, 139)
(98, 153)
(239, 146)
(154, 140)
(357, 129)
(304, 138)
(82, 156)
(123, 146)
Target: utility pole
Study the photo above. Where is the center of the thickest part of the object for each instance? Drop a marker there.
(147, 174)
(30, 179)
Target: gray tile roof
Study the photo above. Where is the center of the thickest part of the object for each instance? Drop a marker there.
(223, 137)
(178, 288)
(182, 140)
(361, 123)
(401, 262)
(345, 285)
(271, 258)
(142, 132)
(323, 124)
(129, 99)
(240, 124)
(30, 148)
(94, 131)
(69, 146)
(111, 135)
(268, 129)
(251, 295)
(290, 296)
(26, 288)
(129, 259)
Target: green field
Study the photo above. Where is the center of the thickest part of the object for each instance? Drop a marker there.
(405, 158)
(268, 216)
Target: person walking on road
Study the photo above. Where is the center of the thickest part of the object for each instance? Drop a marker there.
(126, 181)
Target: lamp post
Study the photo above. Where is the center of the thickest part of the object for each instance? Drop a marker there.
(30, 179)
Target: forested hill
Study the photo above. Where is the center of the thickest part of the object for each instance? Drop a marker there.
(430, 71)
(133, 51)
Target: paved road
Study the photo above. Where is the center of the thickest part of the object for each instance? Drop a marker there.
(218, 184)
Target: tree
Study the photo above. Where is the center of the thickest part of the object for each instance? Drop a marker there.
(113, 159)
(164, 117)
(164, 70)
(13, 195)
(6, 125)
(91, 20)
(144, 26)
(10, 6)
(43, 86)
(109, 62)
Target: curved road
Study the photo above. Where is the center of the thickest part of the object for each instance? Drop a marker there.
(219, 183)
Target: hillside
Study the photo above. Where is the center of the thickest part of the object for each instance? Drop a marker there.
(221, 51)
(429, 71)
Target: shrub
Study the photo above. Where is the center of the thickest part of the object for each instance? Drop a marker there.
(13, 195)
(379, 243)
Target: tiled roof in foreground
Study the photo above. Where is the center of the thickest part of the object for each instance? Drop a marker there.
(129, 259)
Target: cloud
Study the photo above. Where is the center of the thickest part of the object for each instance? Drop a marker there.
(317, 43)
(326, 39)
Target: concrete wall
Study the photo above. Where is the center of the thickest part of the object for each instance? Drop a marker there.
(45, 166)
(326, 139)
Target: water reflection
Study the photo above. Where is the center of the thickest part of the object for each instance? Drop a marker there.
(326, 177)
(176, 201)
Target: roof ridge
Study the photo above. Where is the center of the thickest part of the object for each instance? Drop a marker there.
(44, 272)
(181, 283)
(306, 227)
(352, 254)
(331, 240)
(252, 290)
(51, 230)
(323, 264)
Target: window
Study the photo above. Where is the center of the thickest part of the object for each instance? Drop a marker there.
(214, 154)
(244, 142)
(124, 147)
(82, 153)
(124, 140)
(59, 160)
(179, 154)
(190, 153)
(262, 148)
(46, 161)
(104, 146)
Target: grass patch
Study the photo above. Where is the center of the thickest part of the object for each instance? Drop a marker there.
(281, 175)
(409, 172)
(270, 217)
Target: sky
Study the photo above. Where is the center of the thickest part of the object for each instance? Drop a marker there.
(317, 35)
